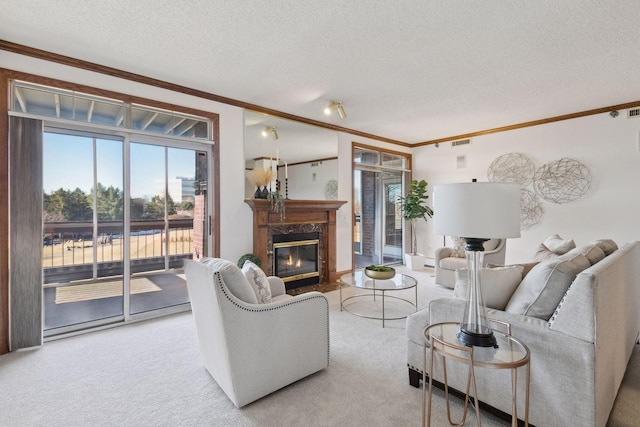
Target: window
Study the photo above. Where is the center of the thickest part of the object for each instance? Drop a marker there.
(45, 101)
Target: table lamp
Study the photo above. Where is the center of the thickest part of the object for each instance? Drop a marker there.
(476, 212)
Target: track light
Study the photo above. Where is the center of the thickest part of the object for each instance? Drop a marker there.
(270, 130)
(335, 105)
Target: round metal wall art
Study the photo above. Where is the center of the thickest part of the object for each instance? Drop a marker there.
(562, 181)
(512, 167)
(530, 209)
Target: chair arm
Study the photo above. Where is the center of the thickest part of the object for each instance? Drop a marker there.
(442, 252)
(277, 286)
(498, 248)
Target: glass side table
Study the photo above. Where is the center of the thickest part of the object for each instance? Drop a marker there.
(509, 353)
(360, 280)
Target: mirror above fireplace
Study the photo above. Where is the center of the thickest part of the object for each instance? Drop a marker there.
(310, 152)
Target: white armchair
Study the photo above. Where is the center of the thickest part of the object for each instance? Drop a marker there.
(250, 349)
(446, 265)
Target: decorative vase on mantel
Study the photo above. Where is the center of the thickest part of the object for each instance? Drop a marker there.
(261, 193)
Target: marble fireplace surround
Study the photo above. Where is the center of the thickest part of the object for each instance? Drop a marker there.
(301, 216)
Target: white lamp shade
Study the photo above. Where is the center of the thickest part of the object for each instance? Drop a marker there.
(482, 210)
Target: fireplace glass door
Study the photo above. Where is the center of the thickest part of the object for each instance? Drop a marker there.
(295, 259)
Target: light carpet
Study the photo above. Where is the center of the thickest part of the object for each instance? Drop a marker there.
(93, 291)
(150, 374)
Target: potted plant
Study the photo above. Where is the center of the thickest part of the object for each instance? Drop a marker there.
(249, 257)
(414, 207)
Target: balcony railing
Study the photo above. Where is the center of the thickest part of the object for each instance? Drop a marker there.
(69, 246)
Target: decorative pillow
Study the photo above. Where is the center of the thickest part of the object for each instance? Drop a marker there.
(458, 248)
(607, 245)
(542, 289)
(557, 245)
(543, 253)
(258, 281)
(233, 278)
(526, 267)
(498, 284)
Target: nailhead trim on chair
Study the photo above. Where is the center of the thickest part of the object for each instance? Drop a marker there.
(295, 300)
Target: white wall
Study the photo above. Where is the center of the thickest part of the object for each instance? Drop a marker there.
(308, 181)
(609, 147)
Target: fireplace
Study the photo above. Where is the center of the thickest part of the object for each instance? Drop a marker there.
(304, 220)
(296, 258)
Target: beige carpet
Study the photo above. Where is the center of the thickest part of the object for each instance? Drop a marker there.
(93, 291)
(150, 374)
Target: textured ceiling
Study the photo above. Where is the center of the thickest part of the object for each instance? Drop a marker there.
(406, 70)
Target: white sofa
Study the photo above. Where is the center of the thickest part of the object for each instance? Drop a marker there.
(253, 349)
(578, 355)
(446, 263)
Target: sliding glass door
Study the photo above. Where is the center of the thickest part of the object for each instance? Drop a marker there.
(118, 222)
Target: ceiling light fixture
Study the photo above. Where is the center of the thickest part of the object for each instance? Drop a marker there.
(270, 130)
(335, 105)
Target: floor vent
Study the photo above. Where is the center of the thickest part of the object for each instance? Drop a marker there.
(460, 142)
(633, 113)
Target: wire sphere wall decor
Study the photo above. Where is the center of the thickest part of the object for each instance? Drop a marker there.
(530, 209)
(512, 167)
(562, 181)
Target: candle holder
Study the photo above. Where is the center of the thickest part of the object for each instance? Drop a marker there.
(286, 188)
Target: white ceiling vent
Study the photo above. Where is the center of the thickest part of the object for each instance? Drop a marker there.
(633, 113)
(460, 142)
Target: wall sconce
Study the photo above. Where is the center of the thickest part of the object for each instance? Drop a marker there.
(335, 105)
(270, 130)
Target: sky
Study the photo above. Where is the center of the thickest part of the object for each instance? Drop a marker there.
(68, 164)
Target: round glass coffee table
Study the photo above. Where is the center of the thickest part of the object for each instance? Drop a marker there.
(378, 288)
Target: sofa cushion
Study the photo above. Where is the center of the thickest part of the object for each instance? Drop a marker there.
(452, 263)
(542, 289)
(578, 259)
(591, 251)
(607, 245)
(258, 281)
(233, 278)
(558, 245)
(498, 284)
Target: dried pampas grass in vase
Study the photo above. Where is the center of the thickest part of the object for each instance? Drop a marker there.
(261, 178)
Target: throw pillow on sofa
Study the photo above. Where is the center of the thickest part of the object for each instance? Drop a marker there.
(543, 253)
(542, 289)
(498, 284)
(558, 245)
(458, 251)
(526, 267)
(258, 281)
